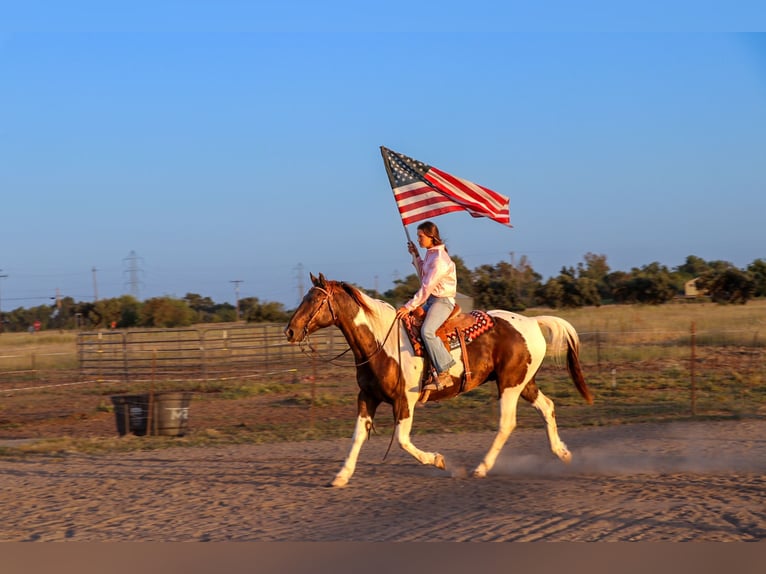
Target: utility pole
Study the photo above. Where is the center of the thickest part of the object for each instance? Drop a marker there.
(95, 286)
(299, 277)
(2, 325)
(236, 292)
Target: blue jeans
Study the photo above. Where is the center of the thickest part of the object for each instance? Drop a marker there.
(437, 311)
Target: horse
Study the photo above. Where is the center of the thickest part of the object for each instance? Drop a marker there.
(388, 371)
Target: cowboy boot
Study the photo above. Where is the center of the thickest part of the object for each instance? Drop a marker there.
(440, 382)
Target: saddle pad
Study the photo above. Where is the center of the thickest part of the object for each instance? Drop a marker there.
(481, 323)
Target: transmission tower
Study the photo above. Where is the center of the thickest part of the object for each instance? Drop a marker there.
(236, 293)
(133, 271)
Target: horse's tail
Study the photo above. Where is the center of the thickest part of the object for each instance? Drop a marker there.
(564, 334)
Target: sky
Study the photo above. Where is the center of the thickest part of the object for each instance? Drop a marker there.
(231, 147)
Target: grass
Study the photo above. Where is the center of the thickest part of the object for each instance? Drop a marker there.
(638, 367)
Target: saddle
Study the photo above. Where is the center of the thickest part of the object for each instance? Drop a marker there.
(459, 330)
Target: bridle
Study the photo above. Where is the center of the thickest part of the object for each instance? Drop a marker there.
(328, 300)
(306, 336)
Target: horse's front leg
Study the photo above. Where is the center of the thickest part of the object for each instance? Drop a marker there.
(508, 401)
(365, 413)
(403, 430)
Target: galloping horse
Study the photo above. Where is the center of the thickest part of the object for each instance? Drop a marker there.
(387, 369)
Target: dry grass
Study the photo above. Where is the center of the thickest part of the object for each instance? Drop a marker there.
(639, 368)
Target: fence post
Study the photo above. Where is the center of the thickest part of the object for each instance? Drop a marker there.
(202, 337)
(692, 368)
(125, 362)
(598, 351)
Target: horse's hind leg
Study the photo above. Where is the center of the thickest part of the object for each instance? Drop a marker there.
(545, 407)
(508, 401)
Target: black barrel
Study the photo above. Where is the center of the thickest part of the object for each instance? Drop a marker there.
(131, 413)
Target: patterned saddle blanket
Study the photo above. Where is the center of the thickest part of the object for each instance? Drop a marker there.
(469, 325)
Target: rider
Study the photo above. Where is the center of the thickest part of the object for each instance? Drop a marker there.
(438, 287)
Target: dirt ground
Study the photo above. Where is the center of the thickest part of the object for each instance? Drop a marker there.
(683, 481)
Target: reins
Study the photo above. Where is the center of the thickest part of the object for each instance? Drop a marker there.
(313, 349)
(307, 340)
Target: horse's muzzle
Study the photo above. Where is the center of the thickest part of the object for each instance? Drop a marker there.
(290, 334)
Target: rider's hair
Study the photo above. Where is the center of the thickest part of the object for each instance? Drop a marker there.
(430, 230)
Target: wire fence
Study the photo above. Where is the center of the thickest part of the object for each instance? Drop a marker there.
(639, 374)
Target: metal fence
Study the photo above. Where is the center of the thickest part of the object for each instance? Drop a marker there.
(633, 374)
(204, 353)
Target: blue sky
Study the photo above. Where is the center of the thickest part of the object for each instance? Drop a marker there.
(237, 140)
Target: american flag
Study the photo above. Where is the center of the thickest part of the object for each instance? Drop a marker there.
(422, 191)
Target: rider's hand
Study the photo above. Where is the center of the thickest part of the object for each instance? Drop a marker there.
(401, 312)
(412, 249)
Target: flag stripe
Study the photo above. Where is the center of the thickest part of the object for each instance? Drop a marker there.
(422, 191)
(472, 196)
(477, 192)
(418, 201)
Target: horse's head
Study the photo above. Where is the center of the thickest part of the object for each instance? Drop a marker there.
(315, 311)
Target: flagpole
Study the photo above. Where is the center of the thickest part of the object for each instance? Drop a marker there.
(390, 179)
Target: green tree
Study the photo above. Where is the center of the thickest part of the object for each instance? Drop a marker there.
(204, 307)
(652, 284)
(464, 276)
(757, 270)
(165, 312)
(403, 290)
(569, 291)
(596, 269)
(730, 285)
(693, 267)
(254, 311)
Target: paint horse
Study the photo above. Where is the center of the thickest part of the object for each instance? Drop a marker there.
(388, 371)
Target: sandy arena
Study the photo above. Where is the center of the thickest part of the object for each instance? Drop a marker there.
(646, 482)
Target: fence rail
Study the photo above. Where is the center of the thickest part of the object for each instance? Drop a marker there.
(207, 353)
(634, 374)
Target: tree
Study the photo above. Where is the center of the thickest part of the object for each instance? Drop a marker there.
(464, 276)
(124, 311)
(204, 307)
(165, 312)
(596, 269)
(254, 311)
(652, 284)
(693, 267)
(757, 270)
(494, 288)
(569, 291)
(403, 290)
(730, 285)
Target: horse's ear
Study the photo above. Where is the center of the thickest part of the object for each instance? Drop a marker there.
(322, 280)
(314, 280)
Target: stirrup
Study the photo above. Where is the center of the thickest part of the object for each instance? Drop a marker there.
(439, 383)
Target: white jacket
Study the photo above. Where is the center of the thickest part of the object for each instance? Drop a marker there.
(437, 274)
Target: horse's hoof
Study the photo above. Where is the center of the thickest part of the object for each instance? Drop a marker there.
(439, 461)
(338, 482)
(566, 457)
(480, 472)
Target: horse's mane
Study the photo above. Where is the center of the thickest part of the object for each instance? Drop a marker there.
(358, 297)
